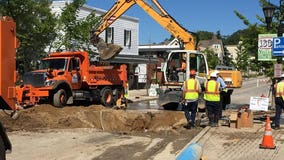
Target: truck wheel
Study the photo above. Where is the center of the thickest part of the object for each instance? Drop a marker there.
(60, 98)
(2, 149)
(118, 94)
(106, 97)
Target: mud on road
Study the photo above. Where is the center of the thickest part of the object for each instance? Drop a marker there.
(165, 127)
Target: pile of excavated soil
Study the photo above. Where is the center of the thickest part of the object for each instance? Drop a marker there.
(94, 116)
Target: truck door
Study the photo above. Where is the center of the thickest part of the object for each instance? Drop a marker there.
(75, 73)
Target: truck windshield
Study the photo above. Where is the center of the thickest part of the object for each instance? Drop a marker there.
(58, 64)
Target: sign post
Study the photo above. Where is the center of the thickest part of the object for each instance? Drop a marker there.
(277, 70)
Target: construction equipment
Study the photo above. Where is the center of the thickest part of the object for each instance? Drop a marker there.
(8, 45)
(106, 51)
(232, 77)
(171, 92)
(61, 79)
(64, 77)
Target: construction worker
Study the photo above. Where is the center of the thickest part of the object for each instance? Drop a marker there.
(223, 93)
(279, 103)
(183, 66)
(212, 99)
(191, 90)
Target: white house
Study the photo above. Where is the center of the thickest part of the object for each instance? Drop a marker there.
(123, 32)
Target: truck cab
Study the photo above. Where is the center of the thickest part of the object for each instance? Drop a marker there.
(62, 68)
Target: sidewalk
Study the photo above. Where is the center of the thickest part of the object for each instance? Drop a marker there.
(225, 143)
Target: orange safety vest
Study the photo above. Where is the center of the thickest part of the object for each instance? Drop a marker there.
(191, 89)
(212, 92)
(279, 89)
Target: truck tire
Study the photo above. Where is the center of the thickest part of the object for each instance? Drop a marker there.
(106, 97)
(60, 98)
(118, 93)
(2, 150)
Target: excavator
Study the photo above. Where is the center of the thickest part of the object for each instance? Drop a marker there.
(170, 92)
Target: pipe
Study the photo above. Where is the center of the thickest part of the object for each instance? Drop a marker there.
(191, 152)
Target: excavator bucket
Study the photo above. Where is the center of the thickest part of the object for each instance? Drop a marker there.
(107, 51)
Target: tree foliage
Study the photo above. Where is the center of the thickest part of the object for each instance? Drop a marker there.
(249, 39)
(227, 59)
(242, 60)
(74, 31)
(204, 35)
(212, 58)
(35, 28)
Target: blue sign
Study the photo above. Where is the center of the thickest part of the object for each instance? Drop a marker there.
(278, 46)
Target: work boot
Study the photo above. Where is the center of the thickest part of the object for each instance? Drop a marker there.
(276, 127)
(215, 125)
(188, 126)
(211, 124)
(192, 125)
(211, 120)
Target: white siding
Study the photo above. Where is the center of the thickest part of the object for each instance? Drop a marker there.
(121, 24)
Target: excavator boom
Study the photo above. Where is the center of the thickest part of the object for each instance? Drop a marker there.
(158, 13)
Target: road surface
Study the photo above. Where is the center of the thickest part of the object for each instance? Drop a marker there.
(94, 133)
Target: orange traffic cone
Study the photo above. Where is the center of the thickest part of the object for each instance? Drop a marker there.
(267, 140)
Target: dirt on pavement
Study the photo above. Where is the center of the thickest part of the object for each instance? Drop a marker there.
(94, 116)
(167, 126)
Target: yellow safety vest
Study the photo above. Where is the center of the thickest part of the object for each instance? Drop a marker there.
(212, 92)
(280, 89)
(126, 91)
(191, 89)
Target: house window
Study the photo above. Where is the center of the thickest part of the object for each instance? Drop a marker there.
(109, 35)
(127, 38)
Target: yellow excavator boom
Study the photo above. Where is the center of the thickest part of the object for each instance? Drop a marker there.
(159, 15)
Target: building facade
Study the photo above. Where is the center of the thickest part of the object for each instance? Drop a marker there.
(214, 44)
(123, 32)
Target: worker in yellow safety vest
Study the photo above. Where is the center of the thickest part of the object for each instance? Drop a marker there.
(212, 99)
(224, 98)
(191, 90)
(279, 103)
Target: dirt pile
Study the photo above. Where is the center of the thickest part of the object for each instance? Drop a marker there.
(49, 117)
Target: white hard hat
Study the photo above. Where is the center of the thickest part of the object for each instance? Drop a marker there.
(282, 75)
(213, 74)
(216, 71)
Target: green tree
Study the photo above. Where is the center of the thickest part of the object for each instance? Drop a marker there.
(227, 60)
(35, 28)
(250, 45)
(74, 32)
(204, 35)
(242, 60)
(212, 58)
(218, 35)
(234, 38)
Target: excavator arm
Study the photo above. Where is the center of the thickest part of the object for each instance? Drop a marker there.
(169, 23)
(158, 14)
(108, 51)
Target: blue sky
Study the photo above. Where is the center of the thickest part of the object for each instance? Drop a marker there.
(194, 15)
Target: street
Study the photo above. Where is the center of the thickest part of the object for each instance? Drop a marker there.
(93, 133)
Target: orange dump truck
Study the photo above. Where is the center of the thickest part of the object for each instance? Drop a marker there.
(61, 79)
(64, 77)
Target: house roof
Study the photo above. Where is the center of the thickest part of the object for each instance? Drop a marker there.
(209, 43)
